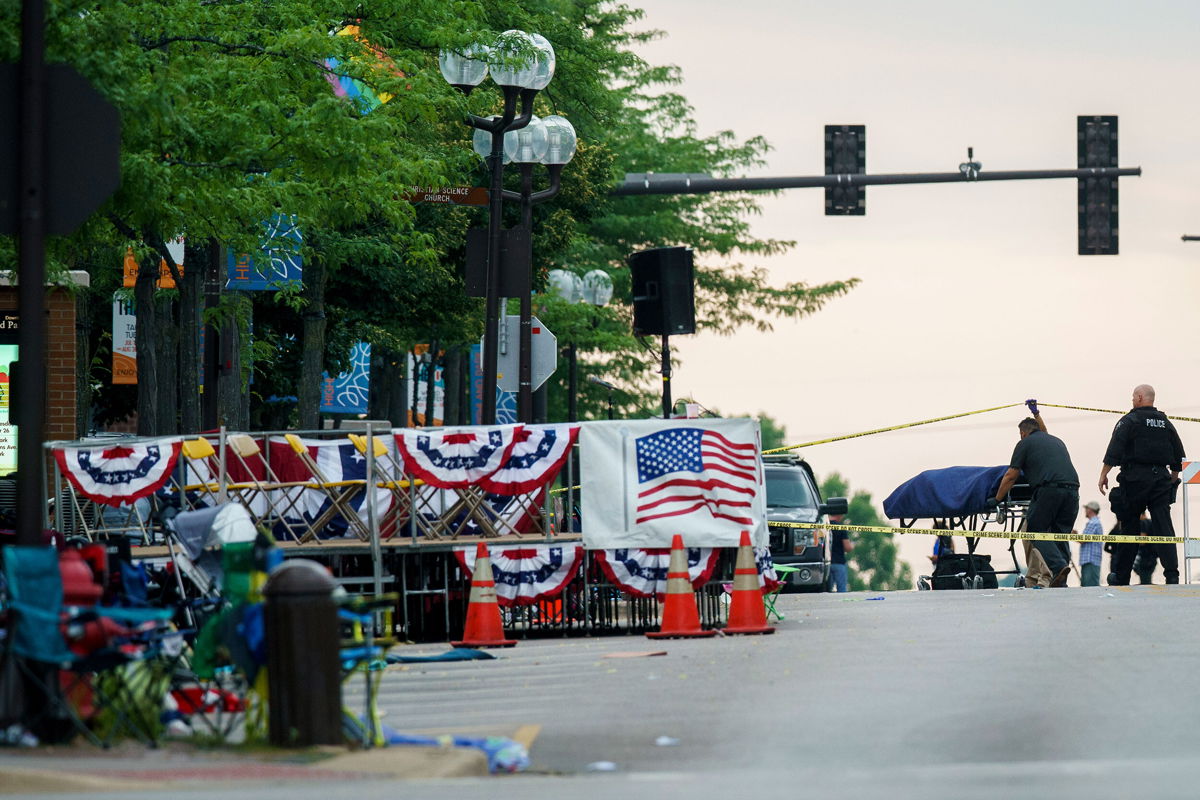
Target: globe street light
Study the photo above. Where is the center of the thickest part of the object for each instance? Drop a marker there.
(595, 288)
(521, 65)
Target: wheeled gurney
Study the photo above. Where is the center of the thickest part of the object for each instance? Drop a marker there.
(956, 499)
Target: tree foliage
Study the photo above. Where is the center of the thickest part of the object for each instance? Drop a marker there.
(228, 118)
(874, 562)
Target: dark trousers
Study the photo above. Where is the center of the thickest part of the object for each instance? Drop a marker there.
(1053, 510)
(1142, 556)
(1140, 489)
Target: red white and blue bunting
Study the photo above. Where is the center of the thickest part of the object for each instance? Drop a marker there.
(767, 578)
(538, 453)
(643, 571)
(525, 575)
(454, 458)
(117, 475)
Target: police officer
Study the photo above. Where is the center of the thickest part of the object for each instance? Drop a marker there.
(1048, 469)
(1147, 448)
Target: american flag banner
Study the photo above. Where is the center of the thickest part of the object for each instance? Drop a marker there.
(645, 480)
(537, 456)
(119, 472)
(682, 470)
(525, 575)
(454, 458)
(642, 572)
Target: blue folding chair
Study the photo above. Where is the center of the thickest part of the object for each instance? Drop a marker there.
(123, 676)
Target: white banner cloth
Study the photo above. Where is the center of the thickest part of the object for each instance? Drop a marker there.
(645, 480)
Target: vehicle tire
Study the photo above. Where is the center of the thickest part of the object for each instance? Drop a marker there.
(923, 584)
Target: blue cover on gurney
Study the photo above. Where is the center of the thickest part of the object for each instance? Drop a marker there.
(950, 492)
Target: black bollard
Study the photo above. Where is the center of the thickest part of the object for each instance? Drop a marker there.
(303, 669)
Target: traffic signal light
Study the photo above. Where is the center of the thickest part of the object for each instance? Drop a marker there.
(845, 154)
(1097, 196)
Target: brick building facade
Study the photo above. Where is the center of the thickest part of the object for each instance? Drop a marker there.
(61, 412)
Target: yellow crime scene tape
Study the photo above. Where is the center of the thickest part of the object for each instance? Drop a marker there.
(889, 428)
(949, 417)
(1111, 411)
(1053, 537)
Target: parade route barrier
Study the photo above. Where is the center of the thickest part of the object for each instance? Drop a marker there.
(1191, 547)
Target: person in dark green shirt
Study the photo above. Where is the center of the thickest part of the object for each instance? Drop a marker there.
(1048, 470)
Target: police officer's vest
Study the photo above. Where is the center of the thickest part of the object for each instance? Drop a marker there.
(1149, 439)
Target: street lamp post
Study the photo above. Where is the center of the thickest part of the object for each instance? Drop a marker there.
(551, 142)
(521, 64)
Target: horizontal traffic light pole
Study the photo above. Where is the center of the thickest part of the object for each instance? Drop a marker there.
(685, 183)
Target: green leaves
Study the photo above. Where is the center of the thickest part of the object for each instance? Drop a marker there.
(875, 557)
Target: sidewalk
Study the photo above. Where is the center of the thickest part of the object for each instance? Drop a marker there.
(80, 768)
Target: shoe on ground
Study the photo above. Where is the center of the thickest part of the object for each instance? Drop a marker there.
(1060, 579)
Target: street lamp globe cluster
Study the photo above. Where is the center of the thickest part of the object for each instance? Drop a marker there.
(594, 288)
(521, 64)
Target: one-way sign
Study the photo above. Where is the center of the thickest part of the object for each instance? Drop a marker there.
(543, 357)
(83, 149)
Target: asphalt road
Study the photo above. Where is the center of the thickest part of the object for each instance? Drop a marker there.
(1062, 693)
(1072, 693)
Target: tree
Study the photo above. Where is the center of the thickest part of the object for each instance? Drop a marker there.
(228, 119)
(874, 562)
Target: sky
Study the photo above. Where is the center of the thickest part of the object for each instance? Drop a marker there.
(971, 295)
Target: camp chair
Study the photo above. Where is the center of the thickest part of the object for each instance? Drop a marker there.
(770, 596)
(363, 653)
(217, 550)
(118, 685)
(783, 572)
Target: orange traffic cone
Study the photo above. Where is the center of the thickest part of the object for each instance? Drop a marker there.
(483, 627)
(747, 614)
(680, 619)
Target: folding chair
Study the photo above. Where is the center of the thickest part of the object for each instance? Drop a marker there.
(389, 476)
(198, 477)
(340, 494)
(120, 683)
(273, 503)
(783, 572)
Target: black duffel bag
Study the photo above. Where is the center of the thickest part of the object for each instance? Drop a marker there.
(954, 571)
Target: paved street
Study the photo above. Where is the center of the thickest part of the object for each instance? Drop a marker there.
(1083, 692)
(1069, 693)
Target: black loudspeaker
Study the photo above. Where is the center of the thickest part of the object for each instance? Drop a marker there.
(664, 302)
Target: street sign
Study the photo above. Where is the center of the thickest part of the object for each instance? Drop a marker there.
(543, 356)
(83, 149)
(451, 195)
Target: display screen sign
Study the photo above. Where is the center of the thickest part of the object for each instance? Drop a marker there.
(8, 355)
